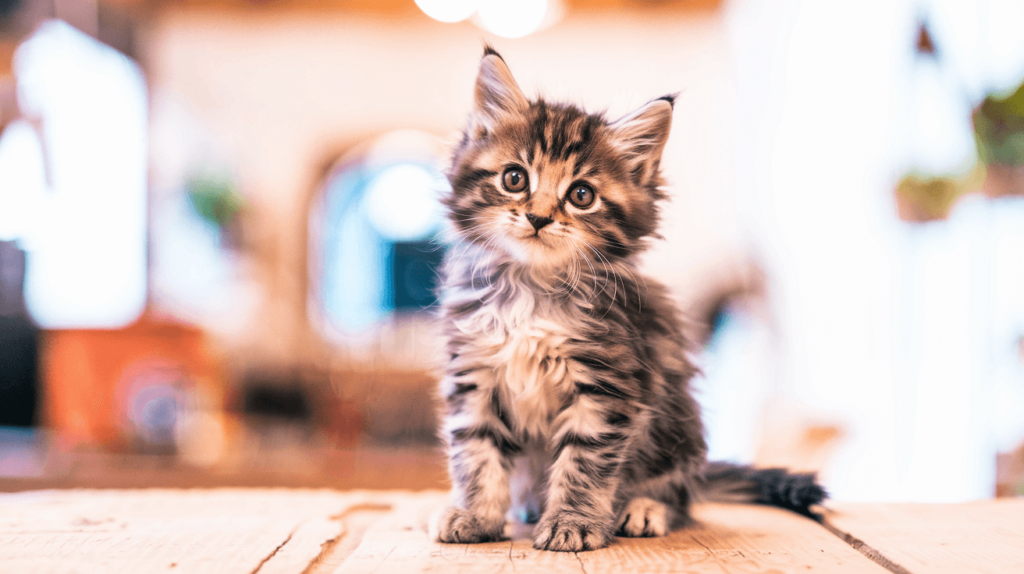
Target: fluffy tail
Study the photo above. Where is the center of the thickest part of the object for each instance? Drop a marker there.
(725, 482)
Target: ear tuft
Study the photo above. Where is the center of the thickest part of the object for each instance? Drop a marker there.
(497, 94)
(670, 98)
(642, 134)
(489, 51)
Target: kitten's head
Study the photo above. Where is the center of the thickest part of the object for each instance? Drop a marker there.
(549, 183)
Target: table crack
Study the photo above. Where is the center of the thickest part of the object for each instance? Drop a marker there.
(275, 551)
(350, 533)
(697, 540)
(860, 546)
(377, 567)
(580, 560)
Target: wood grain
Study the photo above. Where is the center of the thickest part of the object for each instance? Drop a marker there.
(215, 531)
(978, 537)
(727, 538)
(281, 531)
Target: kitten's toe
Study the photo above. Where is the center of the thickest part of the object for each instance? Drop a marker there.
(460, 526)
(569, 533)
(644, 517)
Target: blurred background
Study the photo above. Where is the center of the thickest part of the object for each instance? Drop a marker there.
(219, 230)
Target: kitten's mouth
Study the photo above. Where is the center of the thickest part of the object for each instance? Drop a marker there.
(534, 242)
(540, 245)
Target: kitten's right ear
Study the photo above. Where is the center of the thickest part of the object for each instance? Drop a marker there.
(641, 136)
(497, 94)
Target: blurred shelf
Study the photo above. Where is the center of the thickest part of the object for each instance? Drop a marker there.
(404, 467)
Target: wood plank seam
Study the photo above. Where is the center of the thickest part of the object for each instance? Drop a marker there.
(983, 536)
(578, 559)
(275, 551)
(329, 546)
(325, 549)
(865, 549)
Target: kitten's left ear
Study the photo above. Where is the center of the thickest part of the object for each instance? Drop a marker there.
(642, 135)
(497, 94)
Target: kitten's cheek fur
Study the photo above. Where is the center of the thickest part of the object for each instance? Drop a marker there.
(460, 526)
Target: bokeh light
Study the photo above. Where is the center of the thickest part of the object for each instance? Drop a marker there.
(512, 18)
(448, 10)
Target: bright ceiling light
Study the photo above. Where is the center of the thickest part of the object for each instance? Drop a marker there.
(448, 10)
(512, 18)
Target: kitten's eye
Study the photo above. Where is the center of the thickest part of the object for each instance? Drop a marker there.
(514, 180)
(581, 196)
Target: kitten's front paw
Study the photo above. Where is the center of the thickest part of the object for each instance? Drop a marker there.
(460, 526)
(569, 533)
(644, 517)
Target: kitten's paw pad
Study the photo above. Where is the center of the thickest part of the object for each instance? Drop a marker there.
(644, 517)
(460, 526)
(568, 534)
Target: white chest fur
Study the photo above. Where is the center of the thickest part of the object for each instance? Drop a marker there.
(522, 339)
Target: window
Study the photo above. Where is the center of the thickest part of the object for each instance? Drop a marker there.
(376, 238)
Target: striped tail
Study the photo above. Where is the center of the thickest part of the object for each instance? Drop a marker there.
(725, 482)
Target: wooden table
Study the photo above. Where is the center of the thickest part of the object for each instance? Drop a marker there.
(267, 531)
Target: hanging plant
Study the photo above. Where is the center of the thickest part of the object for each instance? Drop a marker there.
(921, 198)
(999, 132)
(218, 203)
(929, 191)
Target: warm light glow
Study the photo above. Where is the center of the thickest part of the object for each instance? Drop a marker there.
(512, 18)
(448, 10)
(402, 202)
(86, 236)
(22, 183)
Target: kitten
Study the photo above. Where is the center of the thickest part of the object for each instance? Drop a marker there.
(567, 394)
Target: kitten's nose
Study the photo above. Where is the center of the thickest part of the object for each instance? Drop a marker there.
(537, 222)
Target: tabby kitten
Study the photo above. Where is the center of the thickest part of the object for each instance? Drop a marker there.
(566, 395)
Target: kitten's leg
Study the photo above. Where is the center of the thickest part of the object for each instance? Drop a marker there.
(591, 435)
(527, 484)
(480, 452)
